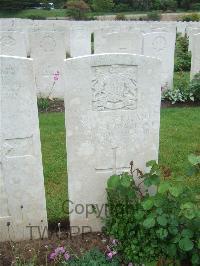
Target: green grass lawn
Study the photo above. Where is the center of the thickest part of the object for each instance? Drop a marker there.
(179, 136)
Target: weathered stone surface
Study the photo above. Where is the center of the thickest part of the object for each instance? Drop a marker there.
(112, 106)
(162, 46)
(22, 197)
(13, 43)
(117, 42)
(195, 49)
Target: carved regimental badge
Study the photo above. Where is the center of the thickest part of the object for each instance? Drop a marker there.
(114, 87)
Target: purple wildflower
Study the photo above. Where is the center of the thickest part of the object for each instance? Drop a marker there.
(52, 256)
(66, 256)
(59, 250)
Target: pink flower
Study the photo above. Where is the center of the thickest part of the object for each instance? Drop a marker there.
(111, 254)
(114, 242)
(66, 256)
(130, 264)
(59, 250)
(52, 256)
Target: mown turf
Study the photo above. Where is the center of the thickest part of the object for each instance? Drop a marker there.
(179, 136)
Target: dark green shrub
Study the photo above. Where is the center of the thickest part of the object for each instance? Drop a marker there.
(195, 6)
(162, 227)
(194, 87)
(168, 5)
(154, 15)
(102, 5)
(182, 56)
(120, 17)
(122, 7)
(77, 9)
(191, 17)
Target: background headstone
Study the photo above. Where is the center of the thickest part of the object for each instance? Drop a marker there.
(162, 46)
(195, 49)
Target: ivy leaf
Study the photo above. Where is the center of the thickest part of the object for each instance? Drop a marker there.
(113, 182)
(148, 204)
(163, 187)
(162, 220)
(175, 191)
(149, 222)
(186, 244)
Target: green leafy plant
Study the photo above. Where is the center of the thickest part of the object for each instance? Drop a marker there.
(91, 258)
(154, 15)
(195, 87)
(102, 5)
(43, 104)
(182, 56)
(77, 9)
(166, 221)
(191, 17)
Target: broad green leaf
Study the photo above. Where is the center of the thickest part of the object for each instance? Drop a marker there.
(151, 163)
(113, 182)
(162, 220)
(187, 205)
(194, 159)
(149, 222)
(163, 187)
(187, 233)
(162, 233)
(147, 182)
(186, 244)
(148, 204)
(126, 181)
(175, 191)
(189, 213)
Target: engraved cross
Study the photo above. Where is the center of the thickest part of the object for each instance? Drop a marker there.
(114, 169)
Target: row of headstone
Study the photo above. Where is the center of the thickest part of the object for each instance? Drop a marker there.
(49, 44)
(100, 89)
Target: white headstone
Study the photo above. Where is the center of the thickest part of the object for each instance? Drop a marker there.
(13, 43)
(112, 106)
(22, 196)
(48, 50)
(117, 42)
(195, 63)
(80, 41)
(162, 46)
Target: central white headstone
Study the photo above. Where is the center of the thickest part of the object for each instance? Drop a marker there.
(112, 106)
(22, 197)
